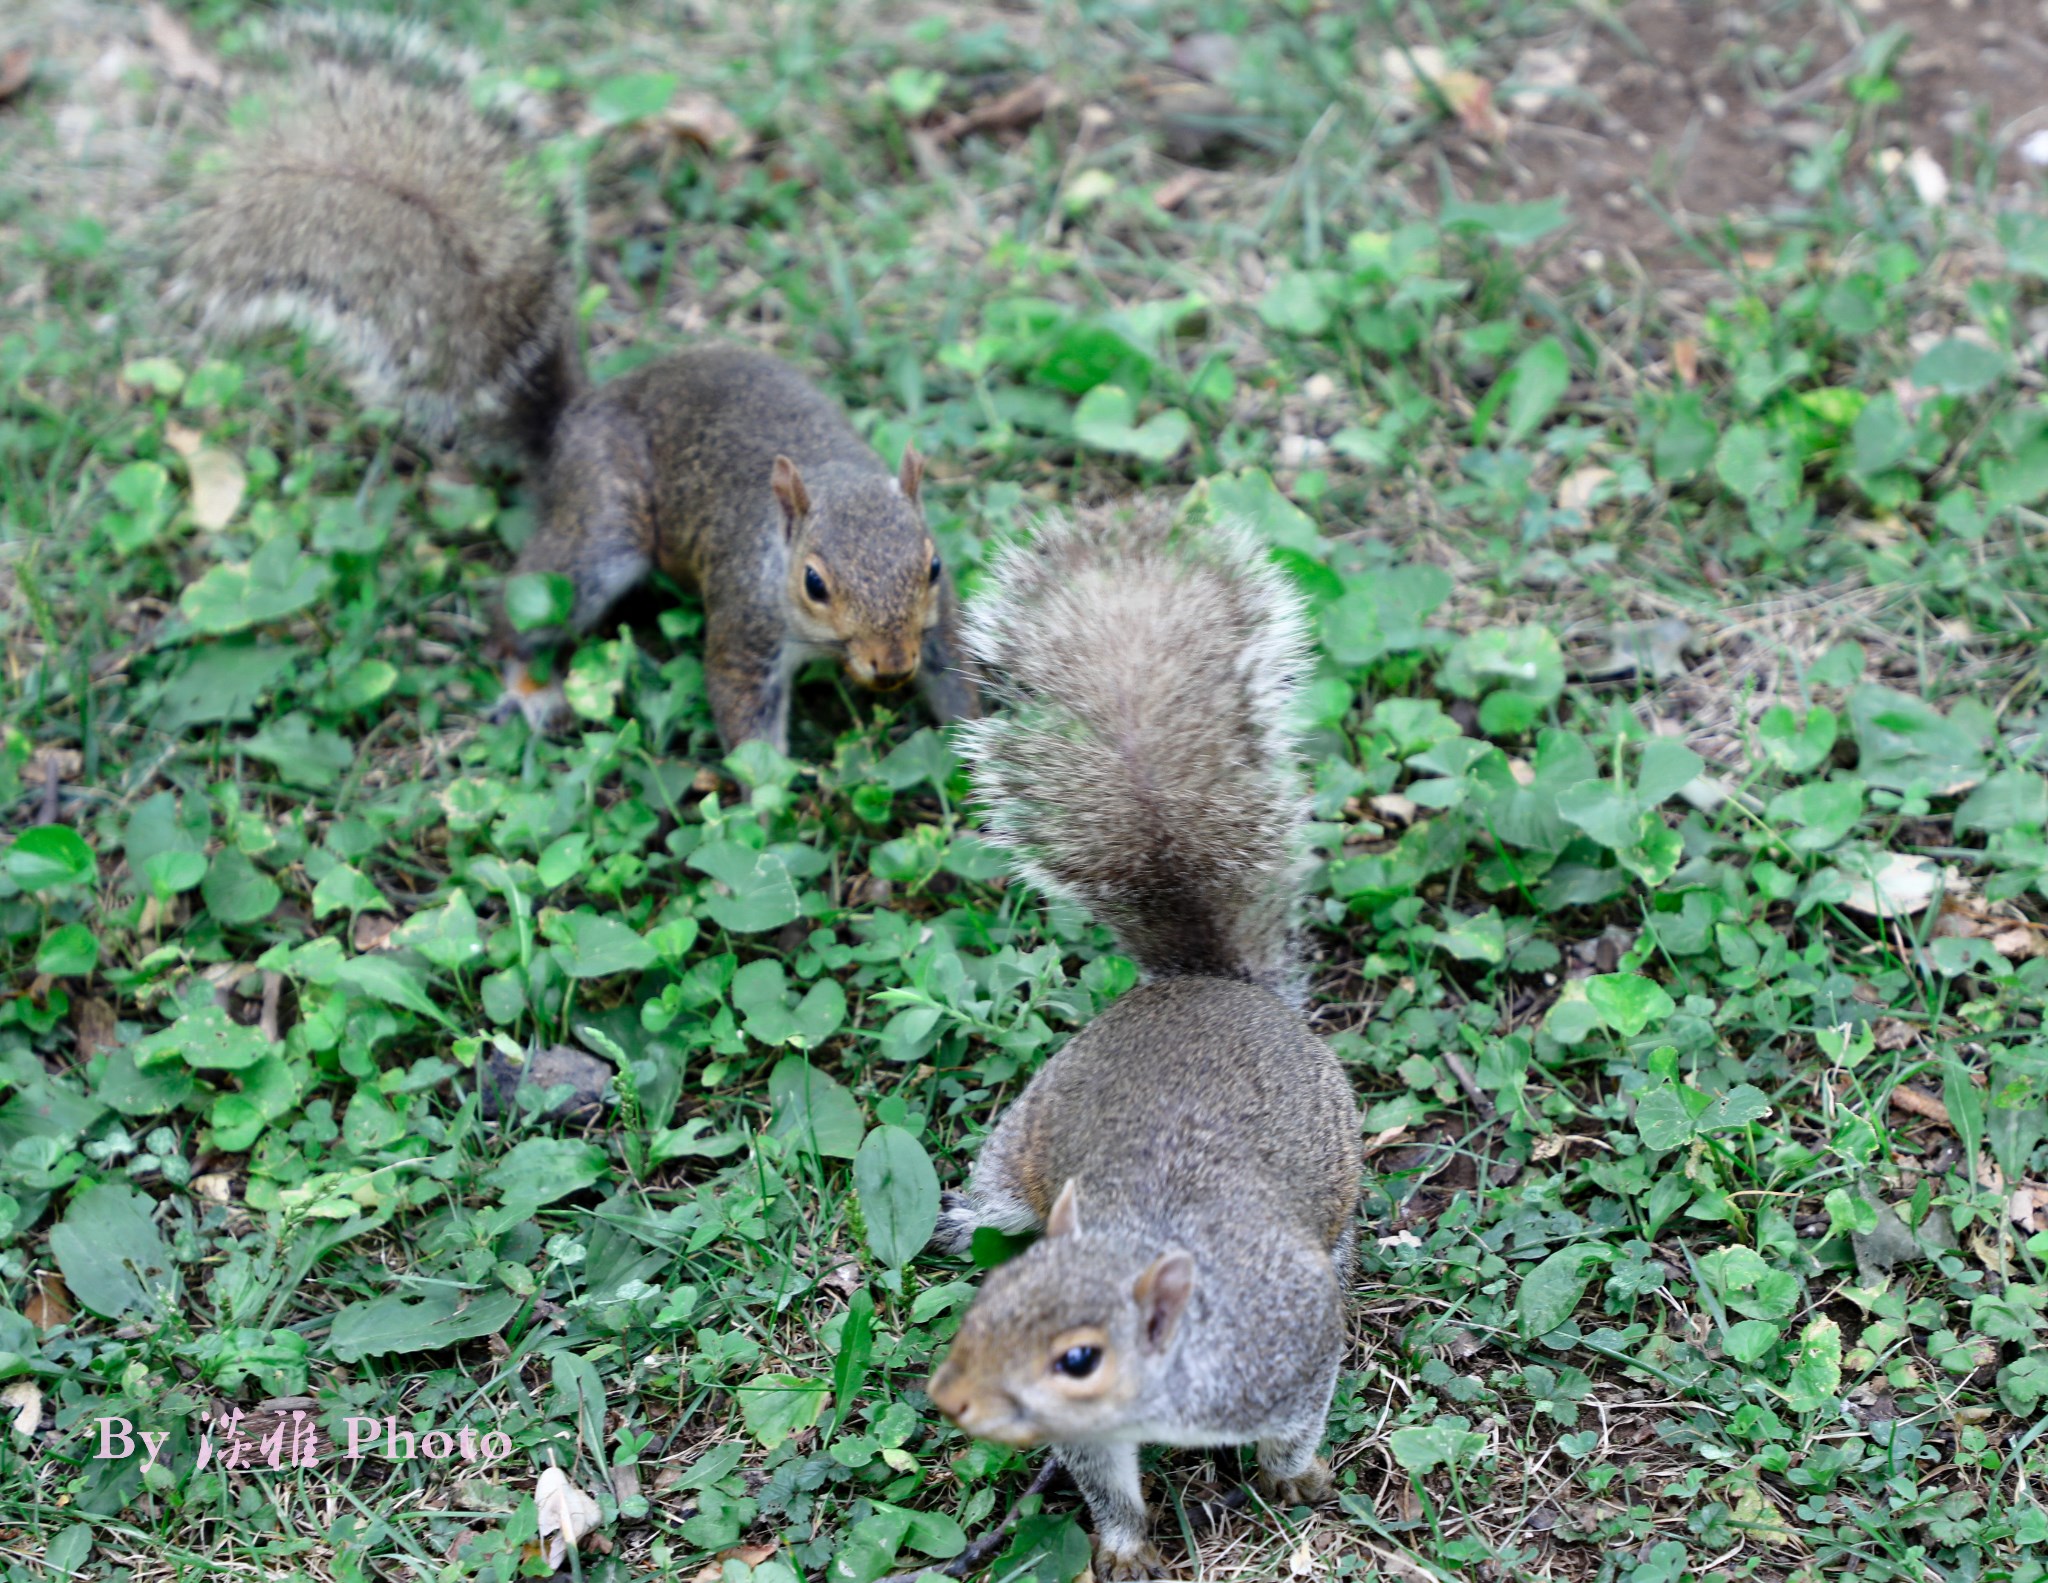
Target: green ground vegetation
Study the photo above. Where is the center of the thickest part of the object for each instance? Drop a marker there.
(1682, 834)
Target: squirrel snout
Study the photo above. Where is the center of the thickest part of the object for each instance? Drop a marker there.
(882, 668)
(948, 1395)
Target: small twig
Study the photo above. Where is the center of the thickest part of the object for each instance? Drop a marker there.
(1919, 1104)
(266, 1021)
(1470, 1084)
(979, 1552)
(52, 807)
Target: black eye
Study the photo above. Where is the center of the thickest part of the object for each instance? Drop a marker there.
(814, 585)
(1078, 1362)
(935, 569)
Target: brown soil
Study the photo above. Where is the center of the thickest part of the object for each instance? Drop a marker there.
(1704, 109)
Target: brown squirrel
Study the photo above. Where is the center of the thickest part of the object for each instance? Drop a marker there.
(1193, 1154)
(385, 214)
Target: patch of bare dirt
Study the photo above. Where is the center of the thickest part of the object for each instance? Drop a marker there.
(1704, 110)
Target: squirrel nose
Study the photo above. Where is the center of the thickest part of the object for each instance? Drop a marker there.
(946, 1394)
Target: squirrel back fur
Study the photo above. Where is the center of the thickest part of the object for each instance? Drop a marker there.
(1145, 767)
(392, 219)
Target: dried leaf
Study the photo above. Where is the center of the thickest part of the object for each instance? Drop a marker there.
(49, 1305)
(566, 1514)
(1471, 97)
(92, 1026)
(1899, 887)
(1576, 493)
(215, 1187)
(218, 484)
(186, 442)
(1685, 360)
(23, 1400)
(185, 60)
(373, 930)
(1542, 75)
(700, 119)
(16, 67)
(1923, 173)
(748, 1555)
(1171, 193)
(2028, 1206)
(1210, 55)
(1393, 808)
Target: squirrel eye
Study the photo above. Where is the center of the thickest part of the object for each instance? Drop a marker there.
(935, 569)
(814, 585)
(1078, 1362)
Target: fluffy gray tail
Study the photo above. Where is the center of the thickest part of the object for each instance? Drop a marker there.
(1145, 766)
(376, 208)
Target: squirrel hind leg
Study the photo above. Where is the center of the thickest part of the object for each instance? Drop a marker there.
(1290, 1472)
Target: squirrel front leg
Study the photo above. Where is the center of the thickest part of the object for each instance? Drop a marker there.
(597, 530)
(747, 672)
(1107, 1477)
(947, 689)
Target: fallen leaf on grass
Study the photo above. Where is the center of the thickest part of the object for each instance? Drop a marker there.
(566, 1514)
(1422, 78)
(748, 1555)
(1576, 493)
(215, 1187)
(2015, 939)
(218, 484)
(1685, 360)
(2028, 1206)
(1899, 887)
(373, 930)
(23, 1400)
(698, 118)
(184, 59)
(1542, 75)
(1171, 193)
(92, 1026)
(49, 1305)
(16, 67)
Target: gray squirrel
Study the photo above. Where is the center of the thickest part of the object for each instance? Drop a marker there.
(1193, 1154)
(377, 208)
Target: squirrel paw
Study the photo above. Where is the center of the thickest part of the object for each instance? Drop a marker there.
(1310, 1487)
(1139, 1561)
(545, 709)
(954, 1233)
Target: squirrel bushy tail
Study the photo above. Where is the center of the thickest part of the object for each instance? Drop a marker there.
(1145, 767)
(375, 207)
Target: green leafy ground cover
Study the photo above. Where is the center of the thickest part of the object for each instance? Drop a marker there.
(1678, 750)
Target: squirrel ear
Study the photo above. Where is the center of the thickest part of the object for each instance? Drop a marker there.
(788, 485)
(1065, 1218)
(1162, 1294)
(911, 475)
